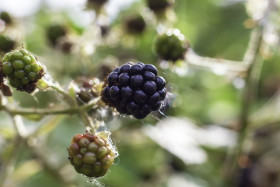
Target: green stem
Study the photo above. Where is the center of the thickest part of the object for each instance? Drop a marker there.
(72, 110)
(68, 99)
(254, 63)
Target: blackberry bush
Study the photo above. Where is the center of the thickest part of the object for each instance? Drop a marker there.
(91, 155)
(171, 45)
(134, 89)
(22, 70)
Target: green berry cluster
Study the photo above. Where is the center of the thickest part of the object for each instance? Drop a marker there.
(22, 69)
(171, 45)
(91, 155)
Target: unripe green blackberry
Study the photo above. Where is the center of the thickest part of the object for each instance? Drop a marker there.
(158, 5)
(135, 24)
(171, 45)
(101, 2)
(96, 4)
(55, 32)
(6, 43)
(22, 69)
(91, 155)
(5, 16)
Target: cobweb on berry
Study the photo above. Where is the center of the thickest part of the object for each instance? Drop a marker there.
(167, 103)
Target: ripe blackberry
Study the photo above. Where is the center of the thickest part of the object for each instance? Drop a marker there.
(134, 89)
(55, 32)
(135, 24)
(91, 155)
(158, 5)
(171, 45)
(6, 43)
(22, 69)
(5, 16)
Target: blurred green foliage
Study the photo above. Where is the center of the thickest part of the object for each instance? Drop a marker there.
(214, 30)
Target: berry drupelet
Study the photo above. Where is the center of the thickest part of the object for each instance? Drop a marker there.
(134, 89)
(171, 45)
(91, 155)
(22, 69)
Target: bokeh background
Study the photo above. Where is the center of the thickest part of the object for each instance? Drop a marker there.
(189, 144)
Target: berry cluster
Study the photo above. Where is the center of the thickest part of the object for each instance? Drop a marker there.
(134, 89)
(171, 45)
(22, 70)
(91, 155)
(157, 5)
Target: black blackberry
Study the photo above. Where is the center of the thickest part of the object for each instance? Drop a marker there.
(134, 89)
